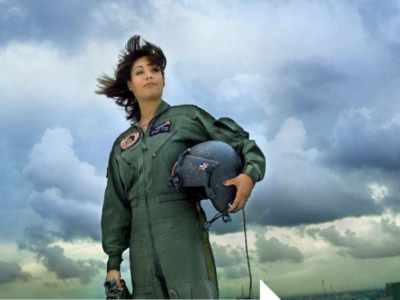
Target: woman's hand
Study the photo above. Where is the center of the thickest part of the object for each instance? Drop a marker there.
(244, 185)
(113, 275)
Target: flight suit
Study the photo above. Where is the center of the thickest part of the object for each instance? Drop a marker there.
(170, 254)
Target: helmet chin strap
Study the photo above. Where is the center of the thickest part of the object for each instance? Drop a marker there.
(225, 217)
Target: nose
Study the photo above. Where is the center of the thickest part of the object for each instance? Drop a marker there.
(148, 75)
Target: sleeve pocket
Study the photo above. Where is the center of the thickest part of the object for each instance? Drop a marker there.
(228, 128)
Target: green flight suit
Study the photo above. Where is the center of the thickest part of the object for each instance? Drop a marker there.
(170, 254)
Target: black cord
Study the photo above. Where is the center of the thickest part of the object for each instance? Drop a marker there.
(225, 217)
(247, 252)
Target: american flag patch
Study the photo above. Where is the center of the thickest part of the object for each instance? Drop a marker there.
(203, 166)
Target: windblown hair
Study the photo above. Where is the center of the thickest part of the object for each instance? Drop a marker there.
(116, 87)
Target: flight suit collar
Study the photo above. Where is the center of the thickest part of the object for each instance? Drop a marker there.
(162, 107)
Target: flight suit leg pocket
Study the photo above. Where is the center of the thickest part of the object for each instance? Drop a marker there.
(203, 289)
(144, 292)
(183, 292)
(186, 291)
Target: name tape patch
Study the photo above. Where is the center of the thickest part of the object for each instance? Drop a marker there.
(163, 127)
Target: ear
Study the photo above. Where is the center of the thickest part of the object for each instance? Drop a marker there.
(129, 84)
(164, 81)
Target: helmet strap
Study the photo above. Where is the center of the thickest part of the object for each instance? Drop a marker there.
(225, 217)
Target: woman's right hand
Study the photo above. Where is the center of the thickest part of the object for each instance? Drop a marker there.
(113, 275)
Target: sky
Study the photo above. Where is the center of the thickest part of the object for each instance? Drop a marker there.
(315, 83)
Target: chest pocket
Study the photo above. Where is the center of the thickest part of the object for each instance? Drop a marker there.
(159, 146)
(129, 167)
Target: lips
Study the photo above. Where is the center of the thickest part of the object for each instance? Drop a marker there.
(149, 84)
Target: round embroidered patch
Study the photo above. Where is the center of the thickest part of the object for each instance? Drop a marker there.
(129, 140)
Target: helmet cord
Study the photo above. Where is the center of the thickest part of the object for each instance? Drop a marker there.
(247, 252)
(225, 217)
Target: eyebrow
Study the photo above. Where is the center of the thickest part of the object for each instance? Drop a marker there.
(149, 64)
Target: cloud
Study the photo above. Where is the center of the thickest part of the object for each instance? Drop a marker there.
(245, 95)
(66, 190)
(53, 164)
(358, 247)
(299, 189)
(43, 21)
(10, 272)
(40, 240)
(231, 262)
(391, 228)
(274, 250)
(226, 256)
(358, 143)
(385, 24)
(54, 259)
(305, 87)
(75, 220)
(66, 195)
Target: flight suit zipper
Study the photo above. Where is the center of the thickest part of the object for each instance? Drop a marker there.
(155, 255)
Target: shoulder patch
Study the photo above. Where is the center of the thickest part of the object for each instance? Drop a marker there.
(129, 140)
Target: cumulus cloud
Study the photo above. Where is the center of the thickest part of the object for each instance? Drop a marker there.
(10, 272)
(66, 195)
(53, 164)
(54, 259)
(232, 262)
(22, 20)
(246, 95)
(357, 142)
(75, 220)
(383, 26)
(66, 190)
(350, 244)
(273, 250)
(305, 87)
(226, 256)
(391, 228)
(301, 190)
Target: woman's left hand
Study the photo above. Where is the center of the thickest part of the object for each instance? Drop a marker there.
(244, 185)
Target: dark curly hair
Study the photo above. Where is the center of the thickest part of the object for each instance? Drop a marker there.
(116, 87)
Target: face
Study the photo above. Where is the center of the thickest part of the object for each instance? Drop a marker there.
(147, 82)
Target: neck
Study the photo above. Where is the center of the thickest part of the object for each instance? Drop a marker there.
(148, 110)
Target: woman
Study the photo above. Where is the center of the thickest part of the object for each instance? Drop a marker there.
(170, 255)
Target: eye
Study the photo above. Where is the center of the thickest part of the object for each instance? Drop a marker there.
(139, 72)
(157, 69)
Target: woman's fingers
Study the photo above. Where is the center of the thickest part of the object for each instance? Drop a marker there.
(238, 203)
(114, 275)
(244, 187)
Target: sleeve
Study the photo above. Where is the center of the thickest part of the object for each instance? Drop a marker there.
(116, 216)
(204, 127)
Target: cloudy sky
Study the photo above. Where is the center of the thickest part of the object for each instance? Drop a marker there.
(315, 83)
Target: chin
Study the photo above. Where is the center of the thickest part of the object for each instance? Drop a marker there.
(152, 97)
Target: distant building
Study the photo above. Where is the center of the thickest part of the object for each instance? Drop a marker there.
(393, 290)
(242, 296)
(385, 298)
